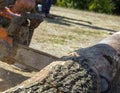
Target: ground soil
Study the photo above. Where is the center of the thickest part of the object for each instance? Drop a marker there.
(68, 31)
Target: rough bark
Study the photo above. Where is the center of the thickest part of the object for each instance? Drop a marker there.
(89, 70)
(61, 77)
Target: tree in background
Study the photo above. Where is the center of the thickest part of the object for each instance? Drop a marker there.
(117, 7)
(78, 4)
(102, 6)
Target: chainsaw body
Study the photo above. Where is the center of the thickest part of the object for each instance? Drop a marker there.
(17, 22)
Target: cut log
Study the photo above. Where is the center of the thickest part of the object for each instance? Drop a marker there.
(88, 70)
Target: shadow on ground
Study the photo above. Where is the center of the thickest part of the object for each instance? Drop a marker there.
(68, 21)
(10, 79)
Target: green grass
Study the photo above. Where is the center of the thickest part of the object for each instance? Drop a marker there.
(56, 39)
(89, 33)
(73, 29)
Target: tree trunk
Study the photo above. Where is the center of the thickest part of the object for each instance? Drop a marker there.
(88, 70)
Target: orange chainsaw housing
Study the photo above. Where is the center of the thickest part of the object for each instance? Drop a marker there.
(4, 36)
